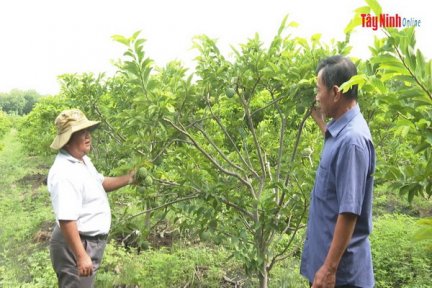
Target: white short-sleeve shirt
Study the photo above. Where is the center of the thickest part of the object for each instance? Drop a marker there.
(77, 194)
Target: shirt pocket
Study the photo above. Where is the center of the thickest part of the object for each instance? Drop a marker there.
(321, 182)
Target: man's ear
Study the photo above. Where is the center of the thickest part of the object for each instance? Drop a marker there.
(337, 93)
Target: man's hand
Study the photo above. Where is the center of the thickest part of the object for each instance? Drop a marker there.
(317, 114)
(325, 278)
(132, 177)
(85, 265)
(319, 118)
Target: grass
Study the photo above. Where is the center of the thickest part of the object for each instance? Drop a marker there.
(24, 211)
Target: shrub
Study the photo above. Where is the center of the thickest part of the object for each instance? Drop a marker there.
(398, 260)
(177, 267)
(37, 129)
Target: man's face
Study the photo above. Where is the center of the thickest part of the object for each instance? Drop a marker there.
(325, 97)
(81, 141)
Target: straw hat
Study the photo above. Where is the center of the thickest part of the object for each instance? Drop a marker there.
(68, 122)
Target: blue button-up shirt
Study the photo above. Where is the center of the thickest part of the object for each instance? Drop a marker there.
(343, 184)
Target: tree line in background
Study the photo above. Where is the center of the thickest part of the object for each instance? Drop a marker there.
(227, 152)
(18, 102)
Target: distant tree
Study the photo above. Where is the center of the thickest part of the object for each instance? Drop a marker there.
(5, 123)
(19, 102)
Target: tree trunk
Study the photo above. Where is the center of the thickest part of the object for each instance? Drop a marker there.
(263, 277)
(262, 250)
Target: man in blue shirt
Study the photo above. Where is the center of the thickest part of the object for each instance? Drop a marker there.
(337, 251)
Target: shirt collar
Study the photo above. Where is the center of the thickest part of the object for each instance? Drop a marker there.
(70, 158)
(336, 126)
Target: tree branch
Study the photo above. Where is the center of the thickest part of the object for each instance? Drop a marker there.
(270, 103)
(297, 227)
(231, 140)
(299, 133)
(196, 195)
(255, 138)
(168, 144)
(207, 137)
(236, 207)
(281, 142)
(212, 160)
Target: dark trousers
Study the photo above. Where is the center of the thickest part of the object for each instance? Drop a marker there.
(64, 262)
(343, 286)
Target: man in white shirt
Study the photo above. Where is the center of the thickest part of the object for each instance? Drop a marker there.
(80, 203)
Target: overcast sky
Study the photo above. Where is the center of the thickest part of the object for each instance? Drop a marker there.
(41, 39)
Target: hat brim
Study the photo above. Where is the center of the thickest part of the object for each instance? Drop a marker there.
(61, 139)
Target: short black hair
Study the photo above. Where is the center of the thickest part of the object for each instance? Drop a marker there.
(337, 70)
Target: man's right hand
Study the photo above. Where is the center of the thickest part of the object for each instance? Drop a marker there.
(319, 118)
(85, 265)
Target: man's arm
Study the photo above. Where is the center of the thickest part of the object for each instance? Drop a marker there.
(70, 233)
(326, 275)
(114, 183)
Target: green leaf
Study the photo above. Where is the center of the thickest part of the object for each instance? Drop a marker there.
(356, 20)
(316, 37)
(135, 35)
(378, 85)
(420, 61)
(390, 64)
(421, 147)
(425, 230)
(283, 25)
(412, 189)
(139, 44)
(359, 80)
(404, 131)
(121, 39)
(428, 138)
(170, 108)
(293, 24)
(375, 7)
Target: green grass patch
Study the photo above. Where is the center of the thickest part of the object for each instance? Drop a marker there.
(25, 213)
